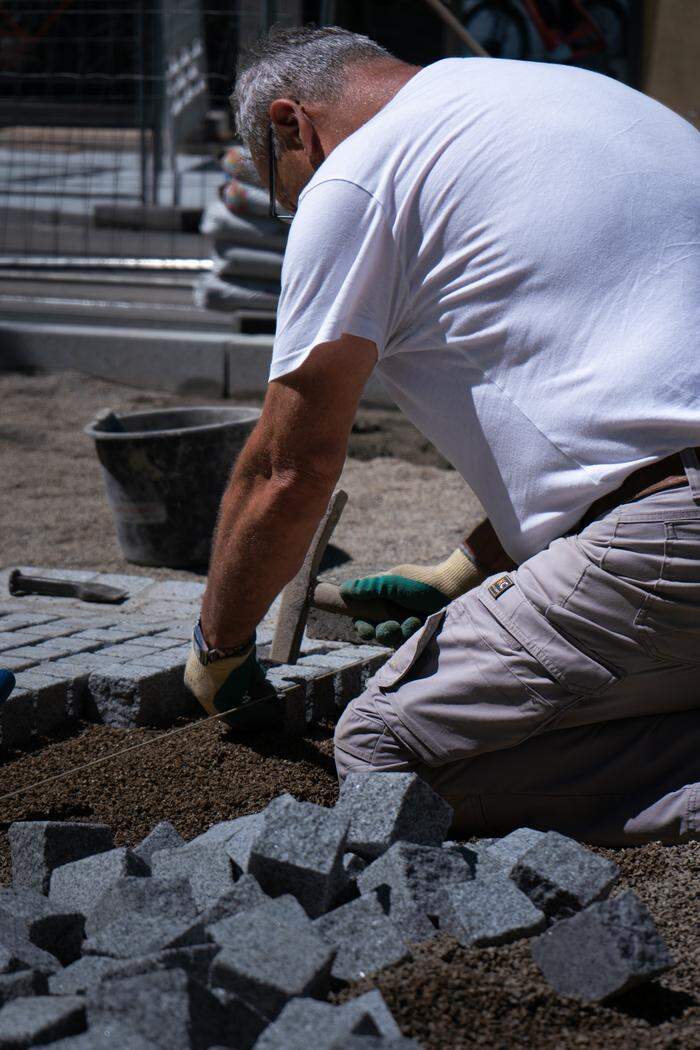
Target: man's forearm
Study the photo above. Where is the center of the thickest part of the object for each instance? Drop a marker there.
(266, 523)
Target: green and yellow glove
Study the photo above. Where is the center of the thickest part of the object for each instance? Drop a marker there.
(418, 590)
(235, 684)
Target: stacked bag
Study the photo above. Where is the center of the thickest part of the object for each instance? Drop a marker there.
(247, 246)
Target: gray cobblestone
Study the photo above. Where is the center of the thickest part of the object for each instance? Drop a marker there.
(15, 640)
(11, 662)
(129, 695)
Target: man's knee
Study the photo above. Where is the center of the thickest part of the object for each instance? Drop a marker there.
(363, 741)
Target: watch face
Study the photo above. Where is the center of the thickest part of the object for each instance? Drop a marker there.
(198, 639)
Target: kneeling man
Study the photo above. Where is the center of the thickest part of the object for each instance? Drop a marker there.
(514, 250)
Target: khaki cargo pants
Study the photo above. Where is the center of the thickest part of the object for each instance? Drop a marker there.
(564, 695)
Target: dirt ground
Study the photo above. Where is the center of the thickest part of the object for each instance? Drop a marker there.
(403, 504)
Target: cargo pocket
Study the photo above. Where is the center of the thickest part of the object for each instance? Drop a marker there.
(563, 672)
(669, 630)
(397, 669)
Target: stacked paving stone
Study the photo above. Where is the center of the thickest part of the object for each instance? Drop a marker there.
(236, 938)
(122, 665)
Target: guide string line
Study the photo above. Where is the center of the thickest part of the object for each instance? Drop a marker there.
(125, 750)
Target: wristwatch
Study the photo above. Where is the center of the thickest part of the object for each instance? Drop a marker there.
(205, 655)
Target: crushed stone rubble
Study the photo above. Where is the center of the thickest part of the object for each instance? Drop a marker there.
(236, 938)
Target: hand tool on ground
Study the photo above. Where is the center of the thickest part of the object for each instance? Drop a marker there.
(304, 592)
(19, 583)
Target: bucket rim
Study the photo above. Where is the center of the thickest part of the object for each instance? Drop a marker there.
(129, 435)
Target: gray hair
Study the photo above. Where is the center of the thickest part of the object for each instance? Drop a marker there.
(307, 64)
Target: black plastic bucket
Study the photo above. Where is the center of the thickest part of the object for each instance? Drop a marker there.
(165, 472)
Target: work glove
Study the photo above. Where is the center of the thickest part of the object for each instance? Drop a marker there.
(236, 682)
(7, 684)
(416, 590)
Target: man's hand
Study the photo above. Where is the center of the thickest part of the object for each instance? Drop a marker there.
(417, 589)
(237, 682)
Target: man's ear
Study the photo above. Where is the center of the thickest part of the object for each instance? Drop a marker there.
(284, 114)
(295, 130)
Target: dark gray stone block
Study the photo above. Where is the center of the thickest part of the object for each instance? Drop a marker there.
(79, 976)
(208, 868)
(195, 961)
(42, 845)
(16, 950)
(52, 928)
(163, 836)
(130, 695)
(364, 937)
(109, 1035)
(410, 881)
(384, 808)
(372, 1003)
(80, 885)
(602, 951)
(378, 1042)
(299, 850)
(305, 1023)
(560, 876)
(169, 1009)
(22, 983)
(236, 836)
(506, 852)
(244, 896)
(285, 911)
(40, 1019)
(140, 934)
(271, 961)
(170, 899)
(489, 911)
(244, 1022)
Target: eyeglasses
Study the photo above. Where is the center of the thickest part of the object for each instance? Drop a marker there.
(272, 178)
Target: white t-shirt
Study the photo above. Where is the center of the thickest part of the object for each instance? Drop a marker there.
(522, 243)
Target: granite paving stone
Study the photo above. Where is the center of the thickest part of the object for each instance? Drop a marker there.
(140, 934)
(37, 847)
(38, 1019)
(163, 836)
(384, 808)
(170, 1009)
(22, 983)
(272, 961)
(506, 852)
(49, 927)
(84, 973)
(305, 1023)
(299, 850)
(560, 876)
(364, 937)
(17, 952)
(603, 950)
(134, 895)
(489, 911)
(208, 868)
(373, 1003)
(82, 883)
(105, 1036)
(130, 695)
(244, 896)
(411, 880)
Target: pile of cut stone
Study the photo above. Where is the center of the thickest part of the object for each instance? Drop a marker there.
(236, 938)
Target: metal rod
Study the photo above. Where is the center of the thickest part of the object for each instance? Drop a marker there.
(451, 20)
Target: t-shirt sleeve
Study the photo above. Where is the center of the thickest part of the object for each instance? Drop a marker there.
(341, 274)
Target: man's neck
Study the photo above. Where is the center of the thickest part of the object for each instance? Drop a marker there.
(370, 87)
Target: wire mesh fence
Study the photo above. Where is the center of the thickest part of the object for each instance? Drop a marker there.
(114, 113)
(109, 131)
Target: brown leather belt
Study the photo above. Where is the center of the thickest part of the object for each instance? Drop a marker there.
(665, 474)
